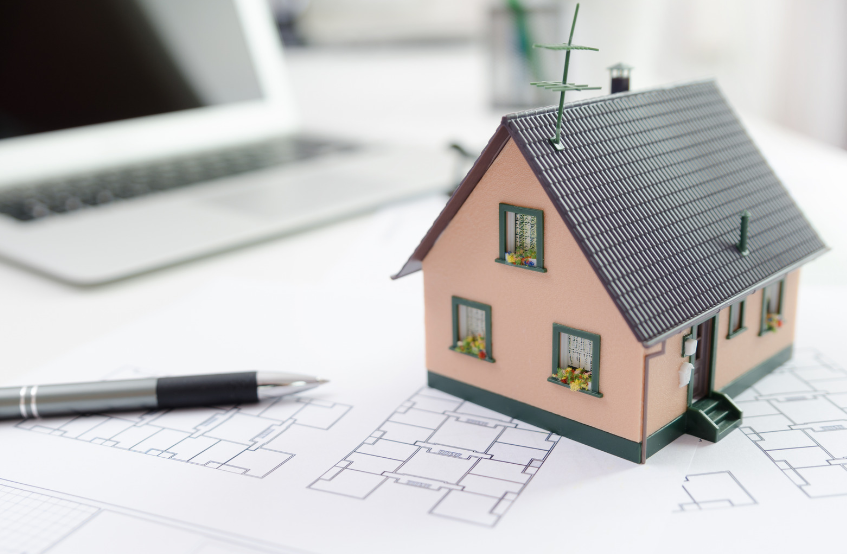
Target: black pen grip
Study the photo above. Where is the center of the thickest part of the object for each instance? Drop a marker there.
(206, 390)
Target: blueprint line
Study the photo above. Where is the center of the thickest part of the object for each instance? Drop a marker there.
(797, 418)
(712, 490)
(475, 462)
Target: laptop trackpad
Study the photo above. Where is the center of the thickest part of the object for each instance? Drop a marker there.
(354, 185)
(291, 198)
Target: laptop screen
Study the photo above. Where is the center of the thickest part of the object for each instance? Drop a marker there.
(67, 64)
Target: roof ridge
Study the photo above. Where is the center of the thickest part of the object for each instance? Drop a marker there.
(602, 99)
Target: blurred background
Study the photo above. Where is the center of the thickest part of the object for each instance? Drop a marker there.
(780, 60)
(367, 103)
(419, 73)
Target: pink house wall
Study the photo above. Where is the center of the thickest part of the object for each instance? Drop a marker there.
(745, 351)
(666, 400)
(524, 306)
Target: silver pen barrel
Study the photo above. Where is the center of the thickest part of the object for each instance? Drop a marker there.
(77, 398)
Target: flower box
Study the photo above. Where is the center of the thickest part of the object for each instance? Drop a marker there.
(773, 322)
(577, 379)
(522, 257)
(473, 345)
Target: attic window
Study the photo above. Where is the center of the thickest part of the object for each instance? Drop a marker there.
(576, 360)
(471, 328)
(522, 237)
(772, 307)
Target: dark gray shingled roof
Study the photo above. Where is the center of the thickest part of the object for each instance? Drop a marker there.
(652, 184)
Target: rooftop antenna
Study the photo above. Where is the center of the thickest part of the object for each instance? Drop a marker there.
(564, 86)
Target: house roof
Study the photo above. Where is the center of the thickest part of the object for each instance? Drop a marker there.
(651, 184)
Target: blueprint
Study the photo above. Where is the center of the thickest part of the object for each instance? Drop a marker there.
(796, 416)
(376, 461)
(354, 465)
(472, 461)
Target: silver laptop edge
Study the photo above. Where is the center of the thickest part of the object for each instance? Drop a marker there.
(105, 243)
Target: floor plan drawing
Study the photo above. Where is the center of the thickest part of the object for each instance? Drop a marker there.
(709, 491)
(35, 520)
(475, 462)
(251, 440)
(796, 416)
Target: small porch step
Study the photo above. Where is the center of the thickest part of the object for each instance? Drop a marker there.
(726, 426)
(718, 416)
(712, 418)
(705, 404)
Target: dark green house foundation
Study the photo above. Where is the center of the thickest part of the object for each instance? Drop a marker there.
(591, 436)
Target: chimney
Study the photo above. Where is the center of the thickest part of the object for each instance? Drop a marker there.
(620, 77)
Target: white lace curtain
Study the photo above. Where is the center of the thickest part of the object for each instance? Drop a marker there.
(522, 231)
(575, 351)
(471, 321)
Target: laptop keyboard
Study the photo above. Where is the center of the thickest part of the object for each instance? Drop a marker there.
(58, 196)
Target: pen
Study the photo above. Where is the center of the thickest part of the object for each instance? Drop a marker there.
(154, 393)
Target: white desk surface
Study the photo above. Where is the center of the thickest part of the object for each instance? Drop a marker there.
(41, 319)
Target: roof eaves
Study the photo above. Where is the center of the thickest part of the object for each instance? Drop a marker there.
(468, 184)
(697, 320)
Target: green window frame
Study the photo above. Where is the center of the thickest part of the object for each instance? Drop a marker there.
(505, 209)
(741, 306)
(558, 330)
(764, 327)
(456, 302)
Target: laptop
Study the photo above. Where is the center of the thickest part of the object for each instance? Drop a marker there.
(137, 134)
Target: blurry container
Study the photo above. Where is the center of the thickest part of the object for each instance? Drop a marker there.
(514, 26)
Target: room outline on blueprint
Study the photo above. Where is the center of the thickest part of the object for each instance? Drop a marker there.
(474, 461)
(797, 416)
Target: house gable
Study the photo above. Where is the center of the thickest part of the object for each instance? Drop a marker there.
(526, 304)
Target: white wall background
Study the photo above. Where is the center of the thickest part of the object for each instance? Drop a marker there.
(782, 60)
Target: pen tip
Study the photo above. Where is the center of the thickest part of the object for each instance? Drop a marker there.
(322, 381)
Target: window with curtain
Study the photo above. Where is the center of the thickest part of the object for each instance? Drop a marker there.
(522, 237)
(574, 352)
(472, 328)
(576, 356)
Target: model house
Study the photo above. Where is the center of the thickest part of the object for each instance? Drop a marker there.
(621, 288)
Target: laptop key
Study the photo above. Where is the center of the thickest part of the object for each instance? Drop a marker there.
(36, 201)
